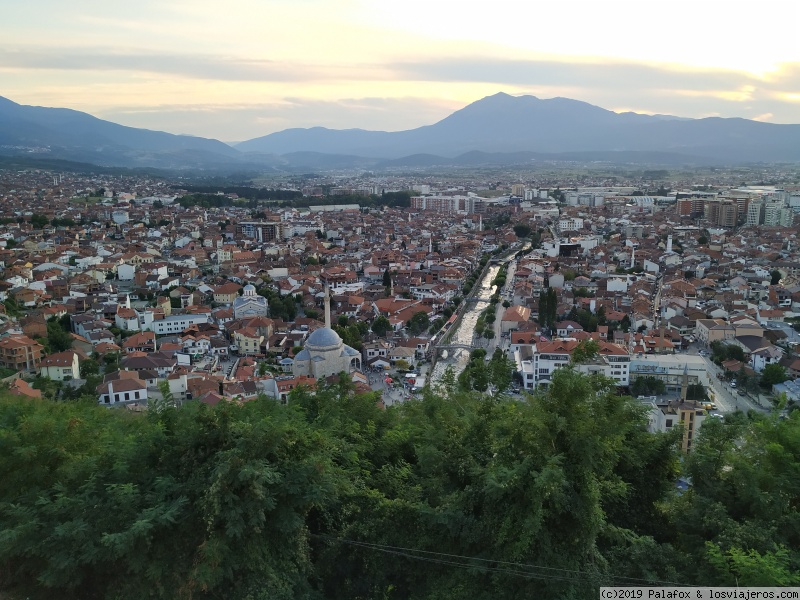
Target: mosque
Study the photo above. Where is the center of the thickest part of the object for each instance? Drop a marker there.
(325, 353)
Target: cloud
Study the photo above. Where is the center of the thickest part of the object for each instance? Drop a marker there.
(193, 66)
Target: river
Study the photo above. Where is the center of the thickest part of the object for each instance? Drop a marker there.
(459, 358)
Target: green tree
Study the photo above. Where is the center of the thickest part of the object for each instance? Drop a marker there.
(648, 386)
(381, 326)
(522, 230)
(585, 351)
(418, 323)
(775, 277)
(696, 391)
(501, 371)
(89, 367)
(773, 374)
(39, 221)
(58, 338)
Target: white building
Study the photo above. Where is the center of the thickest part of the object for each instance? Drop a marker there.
(250, 304)
(537, 362)
(178, 323)
(61, 366)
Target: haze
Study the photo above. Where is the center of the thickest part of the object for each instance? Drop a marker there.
(244, 68)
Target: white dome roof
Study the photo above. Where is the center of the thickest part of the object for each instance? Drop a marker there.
(324, 337)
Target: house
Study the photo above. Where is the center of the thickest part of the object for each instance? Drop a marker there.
(121, 387)
(20, 353)
(565, 329)
(61, 366)
(279, 388)
(767, 355)
(226, 293)
(713, 330)
(248, 341)
(144, 341)
(513, 317)
(20, 387)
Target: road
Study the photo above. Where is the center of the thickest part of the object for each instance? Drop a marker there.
(726, 398)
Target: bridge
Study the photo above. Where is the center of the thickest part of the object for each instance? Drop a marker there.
(440, 350)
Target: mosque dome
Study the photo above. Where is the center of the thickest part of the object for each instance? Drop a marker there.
(323, 338)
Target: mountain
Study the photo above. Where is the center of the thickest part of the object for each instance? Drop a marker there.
(497, 130)
(74, 135)
(506, 124)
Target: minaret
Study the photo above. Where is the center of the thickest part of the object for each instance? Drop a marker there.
(633, 256)
(480, 222)
(391, 287)
(327, 306)
(685, 383)
(669, 244)
(430, 244)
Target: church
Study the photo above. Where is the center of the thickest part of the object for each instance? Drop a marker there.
(325, 353)
(250, 304)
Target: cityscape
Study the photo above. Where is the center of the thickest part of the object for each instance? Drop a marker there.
(352, 301)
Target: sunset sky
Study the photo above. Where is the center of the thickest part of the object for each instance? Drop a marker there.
(239, 69)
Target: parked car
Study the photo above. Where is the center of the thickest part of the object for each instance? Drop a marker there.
(741, 392)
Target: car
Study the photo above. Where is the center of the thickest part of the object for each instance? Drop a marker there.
(741, 392)
(733, 384)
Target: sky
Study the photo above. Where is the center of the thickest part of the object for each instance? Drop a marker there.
(239, 69)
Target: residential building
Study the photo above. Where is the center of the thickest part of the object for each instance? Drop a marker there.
(20, 353)
(61, 366)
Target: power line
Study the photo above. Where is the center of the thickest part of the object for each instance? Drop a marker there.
(558, 574)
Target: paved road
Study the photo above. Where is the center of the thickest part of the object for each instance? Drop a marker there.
(726, 397)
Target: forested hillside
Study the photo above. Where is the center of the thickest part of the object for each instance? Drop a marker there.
(454, 496)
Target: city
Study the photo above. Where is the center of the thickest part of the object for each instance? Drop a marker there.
(357, 300)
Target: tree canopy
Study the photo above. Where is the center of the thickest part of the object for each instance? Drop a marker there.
(454, 495)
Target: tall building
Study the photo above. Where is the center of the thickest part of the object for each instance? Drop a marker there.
(449, 204)
(755, 213)
(772, 213)
(260, 231)
(722, 213)
(728, 214)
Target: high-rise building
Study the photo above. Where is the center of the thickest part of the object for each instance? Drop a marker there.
(261, 231)
(690, 206)
(728, 214)
(723, 213)
(755, 213)
(772, 213)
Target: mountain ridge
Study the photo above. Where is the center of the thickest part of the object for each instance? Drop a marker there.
(497, 129)
(504, 123)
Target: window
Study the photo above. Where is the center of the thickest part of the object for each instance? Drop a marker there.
(669, 422)
(127, 396)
